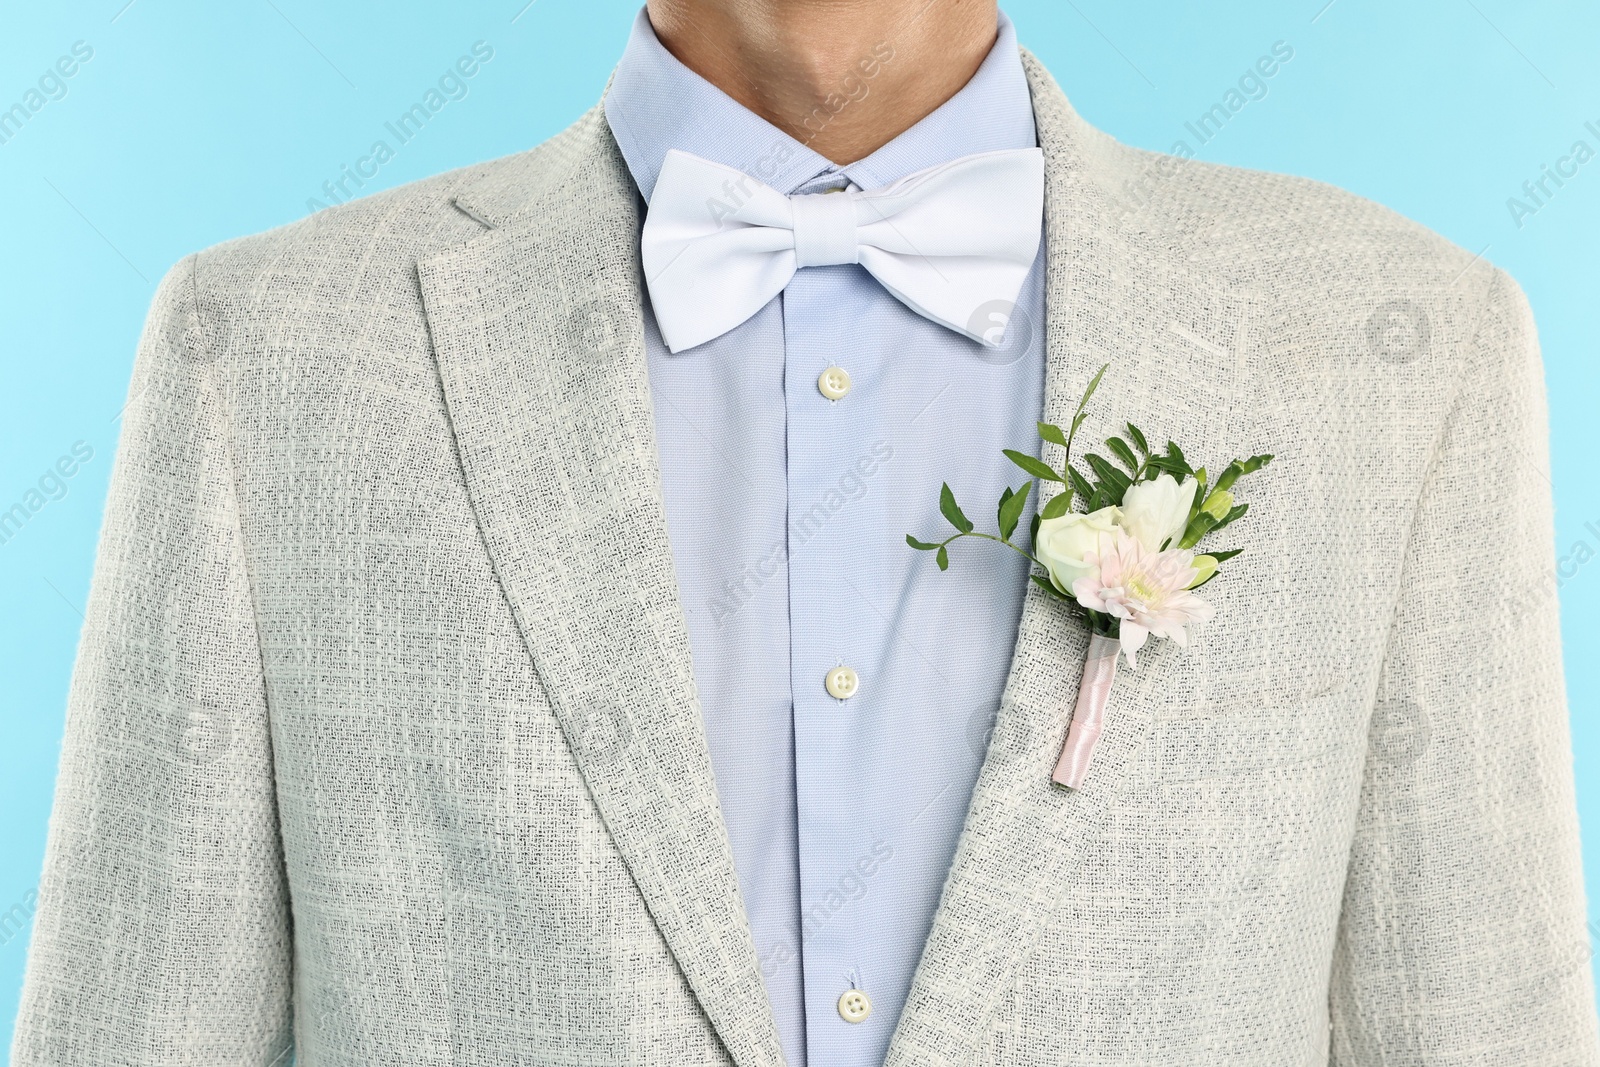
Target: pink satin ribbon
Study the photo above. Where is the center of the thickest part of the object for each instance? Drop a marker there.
(1088, 716)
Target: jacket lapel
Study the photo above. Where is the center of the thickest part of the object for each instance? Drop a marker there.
(537, 329)
(1175, 343)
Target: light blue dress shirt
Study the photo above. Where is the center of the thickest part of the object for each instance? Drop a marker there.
(788, 511)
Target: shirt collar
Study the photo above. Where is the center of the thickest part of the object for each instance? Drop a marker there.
(656, 104)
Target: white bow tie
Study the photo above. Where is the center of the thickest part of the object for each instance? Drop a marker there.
(718, 244)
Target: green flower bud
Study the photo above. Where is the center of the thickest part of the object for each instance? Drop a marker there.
(1206, 566)
(1218, 504)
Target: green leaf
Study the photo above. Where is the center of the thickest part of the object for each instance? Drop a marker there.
(1221, 556)
(1094, 383)
(1113, 481)
(1051, 432)
(943, 558)
(1033, 528)
(1159, 463)
(1035, 467)
(1137, 437)
(1080, 486)
(1175, 461)
(920, 546)
(1124, 454)
(1233, 513)
(1048, 586)
(952, 511)
(1083, 402)
(1011, 505)
(1057, 505)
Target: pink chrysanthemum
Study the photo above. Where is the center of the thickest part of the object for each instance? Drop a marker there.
(1147, 591)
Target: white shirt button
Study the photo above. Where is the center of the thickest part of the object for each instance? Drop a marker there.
(854, 1006)
(834, 383)
(842, 683)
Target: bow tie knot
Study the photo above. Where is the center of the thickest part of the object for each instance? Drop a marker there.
(946, 242)
(825, 229)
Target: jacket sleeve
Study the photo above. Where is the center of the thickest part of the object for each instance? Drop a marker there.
(1462, 938)
(162, 933)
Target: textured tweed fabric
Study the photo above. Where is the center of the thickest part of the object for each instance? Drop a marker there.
(383, 744)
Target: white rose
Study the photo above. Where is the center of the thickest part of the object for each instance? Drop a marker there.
(1154, 512)
(1063, 542)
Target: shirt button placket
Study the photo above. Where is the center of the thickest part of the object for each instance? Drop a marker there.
(829, 428)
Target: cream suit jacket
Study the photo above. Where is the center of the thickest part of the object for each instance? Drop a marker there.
(383, 745)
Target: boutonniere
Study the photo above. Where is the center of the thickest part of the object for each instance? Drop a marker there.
(1126, 564)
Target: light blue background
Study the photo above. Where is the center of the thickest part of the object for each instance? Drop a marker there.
(196, 122)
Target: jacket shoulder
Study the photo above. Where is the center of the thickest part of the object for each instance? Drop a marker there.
(392, 229)
(1270, 231)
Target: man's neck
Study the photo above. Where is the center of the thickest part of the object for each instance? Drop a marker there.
(844, 77)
